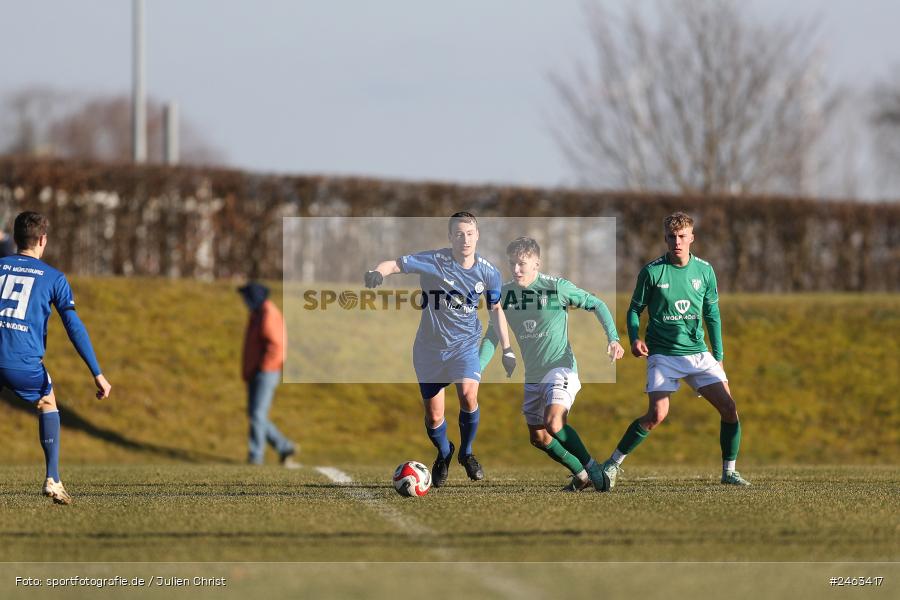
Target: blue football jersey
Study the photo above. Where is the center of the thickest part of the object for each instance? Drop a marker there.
(28, 289)
(450, 318)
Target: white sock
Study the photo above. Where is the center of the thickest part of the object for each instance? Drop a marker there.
(590, 464)
(617, 456)
(728, 465)
(582, 476)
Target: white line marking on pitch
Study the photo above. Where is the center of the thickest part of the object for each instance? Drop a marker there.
(389, 513)
(507, 587)
(336, 475)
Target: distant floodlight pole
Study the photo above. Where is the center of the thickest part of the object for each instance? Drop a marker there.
(170, 129)
(139, 103)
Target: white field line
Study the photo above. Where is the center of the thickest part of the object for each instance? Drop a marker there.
(406, 525)
(335, 475)
(390, 514)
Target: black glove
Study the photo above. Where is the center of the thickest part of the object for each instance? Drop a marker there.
(374, 279)
(509, 361)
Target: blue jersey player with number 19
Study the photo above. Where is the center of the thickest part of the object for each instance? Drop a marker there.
(28, 288)
(453, 280)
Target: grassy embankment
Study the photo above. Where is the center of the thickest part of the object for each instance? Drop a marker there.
(815, 377)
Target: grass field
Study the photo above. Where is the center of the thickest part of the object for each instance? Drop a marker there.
(219, 513)
(175, 513)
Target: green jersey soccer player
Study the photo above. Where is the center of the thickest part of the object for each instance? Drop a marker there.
(536, 308)
(678, 290)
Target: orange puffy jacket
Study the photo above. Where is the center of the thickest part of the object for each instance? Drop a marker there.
(264, 341)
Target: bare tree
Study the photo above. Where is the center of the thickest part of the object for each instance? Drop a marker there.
(43, 121)
(24, 119)
(697, 97)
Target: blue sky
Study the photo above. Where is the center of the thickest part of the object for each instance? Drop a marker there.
(414, 90)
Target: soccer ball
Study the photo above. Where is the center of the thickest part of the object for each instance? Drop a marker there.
(412, 479)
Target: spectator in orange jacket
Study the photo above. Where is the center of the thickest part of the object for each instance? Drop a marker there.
(263, 358)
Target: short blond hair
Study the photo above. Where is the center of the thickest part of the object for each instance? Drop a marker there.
(522, 247)
(677, 221)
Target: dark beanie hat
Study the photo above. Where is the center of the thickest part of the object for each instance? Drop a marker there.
(255, 294)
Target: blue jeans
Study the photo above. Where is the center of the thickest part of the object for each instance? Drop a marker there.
(260, 391)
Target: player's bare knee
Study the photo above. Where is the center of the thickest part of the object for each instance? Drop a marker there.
(540, 438)
(727, 408)
(554, 424)
(468, 400)
(653, 418)
(434, 416)
(729, 413)
(47, 403)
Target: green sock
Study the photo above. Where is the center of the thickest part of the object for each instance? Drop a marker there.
(570, 440)
(730, 439)
(633, 437)
(563, 457)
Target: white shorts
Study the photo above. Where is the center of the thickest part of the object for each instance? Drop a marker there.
(697, 370)
(558, 386)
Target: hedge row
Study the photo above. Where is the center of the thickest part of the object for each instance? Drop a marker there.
(125, 219)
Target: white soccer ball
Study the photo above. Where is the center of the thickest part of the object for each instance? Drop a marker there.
(412, 479)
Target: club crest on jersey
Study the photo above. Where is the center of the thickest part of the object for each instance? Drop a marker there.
(479, 287)
(682, 305)
(695, 283)
(530, 325)
(542, 300)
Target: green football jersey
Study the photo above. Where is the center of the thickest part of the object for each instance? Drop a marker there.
(539, 319)
(677, 298)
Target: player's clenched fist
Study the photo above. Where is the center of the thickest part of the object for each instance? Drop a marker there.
(639, 348)
(374, 279)
(509, 361)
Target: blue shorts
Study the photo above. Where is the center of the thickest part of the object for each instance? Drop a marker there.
(28, 384)
(436, 369)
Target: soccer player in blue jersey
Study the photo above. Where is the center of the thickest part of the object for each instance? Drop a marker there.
(28, 288)
(446, 347)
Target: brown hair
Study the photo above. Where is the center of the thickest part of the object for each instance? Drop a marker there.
(29, 228)
(677, 221)
(522, 247)
(461, 217)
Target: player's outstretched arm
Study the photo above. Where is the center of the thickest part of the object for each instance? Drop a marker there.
(376, 276)
(64, 302)
(78, 335)
(80, 339)
(572, 295)
(498, 322)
